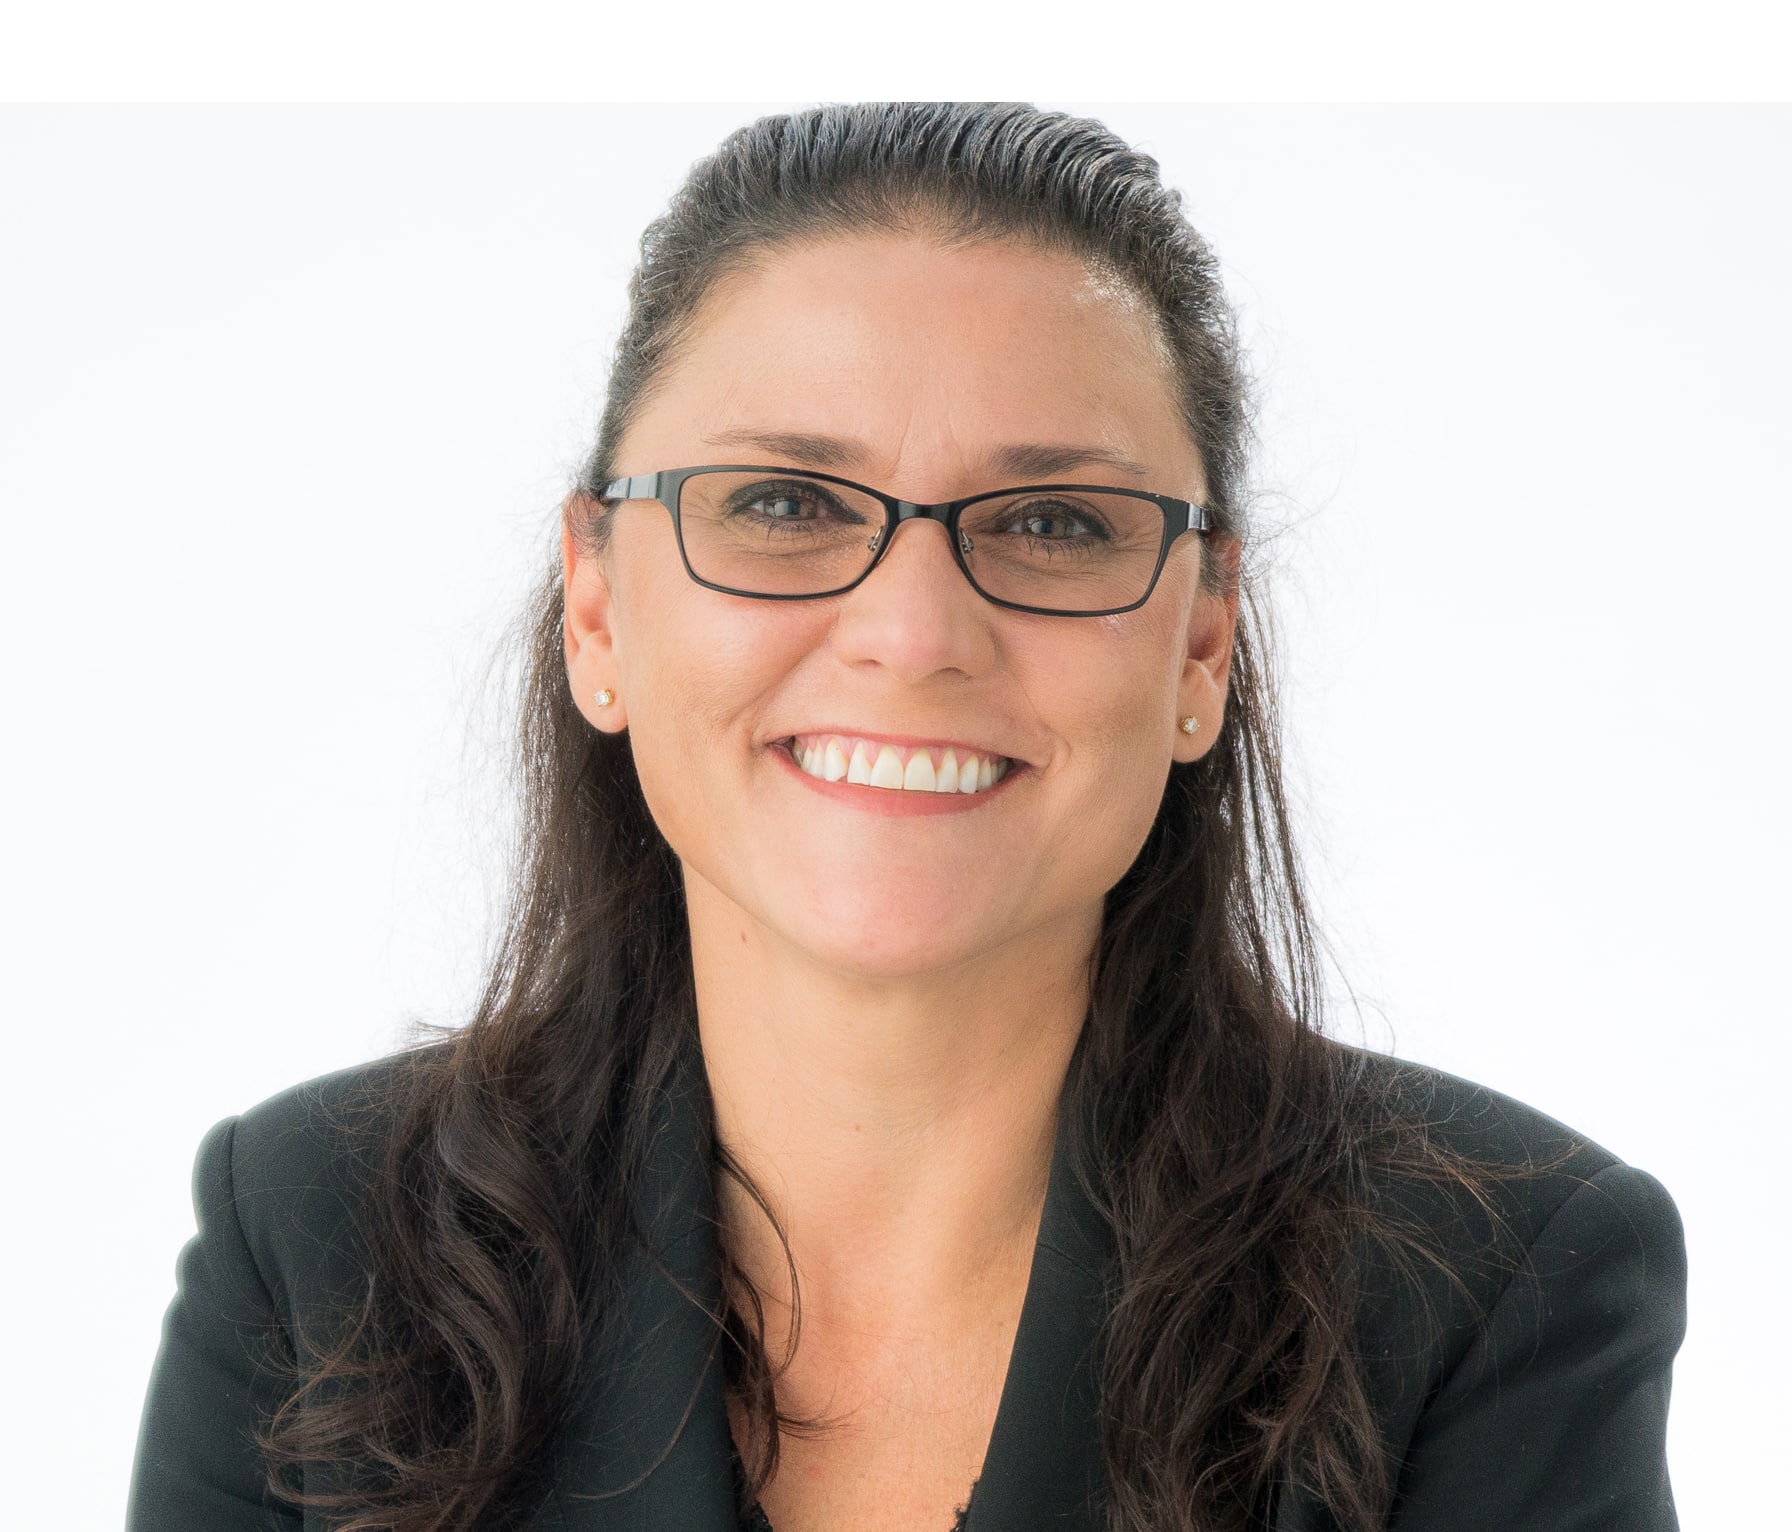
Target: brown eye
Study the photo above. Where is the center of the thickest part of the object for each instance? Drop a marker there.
(780, 507)
(1051, 521)
(784, 504)
(1051, 524)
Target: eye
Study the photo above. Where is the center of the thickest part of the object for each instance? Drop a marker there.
(1052, 522)
(780, 507)
(1055, 520)
(784, 503)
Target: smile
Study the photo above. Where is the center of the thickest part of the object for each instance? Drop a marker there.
(899, 768)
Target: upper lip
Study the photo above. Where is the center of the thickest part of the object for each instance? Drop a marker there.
(929, 741)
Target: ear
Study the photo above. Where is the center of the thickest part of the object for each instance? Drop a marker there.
(1207, 662)
(591, 658)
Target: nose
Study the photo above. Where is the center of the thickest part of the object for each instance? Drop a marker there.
(908, 510)
(919, 550)
(916, 613)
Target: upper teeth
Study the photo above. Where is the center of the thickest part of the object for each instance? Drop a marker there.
(913, 768)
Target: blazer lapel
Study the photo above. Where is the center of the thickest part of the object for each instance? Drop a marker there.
(647, 1447)
(1044, 1467)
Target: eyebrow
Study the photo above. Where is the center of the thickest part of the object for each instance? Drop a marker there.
(1021, 461)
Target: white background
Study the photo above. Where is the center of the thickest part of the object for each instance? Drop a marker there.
(287, 401)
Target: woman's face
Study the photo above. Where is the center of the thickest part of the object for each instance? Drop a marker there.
(917, 370)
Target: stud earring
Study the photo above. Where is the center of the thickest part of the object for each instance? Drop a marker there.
(605, 697)
(1187, 725)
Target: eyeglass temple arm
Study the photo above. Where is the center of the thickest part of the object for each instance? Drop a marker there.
(641, 486)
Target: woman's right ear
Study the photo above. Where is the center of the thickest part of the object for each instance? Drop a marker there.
(592, 661)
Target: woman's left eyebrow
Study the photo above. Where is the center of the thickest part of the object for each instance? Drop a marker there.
(1039, 460)
(1020, 461)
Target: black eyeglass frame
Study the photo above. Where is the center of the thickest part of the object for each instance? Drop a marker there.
(667, 484)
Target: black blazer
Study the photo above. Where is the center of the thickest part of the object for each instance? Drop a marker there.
(1549, 1412)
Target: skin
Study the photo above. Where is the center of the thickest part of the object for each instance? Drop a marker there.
(888, 1005)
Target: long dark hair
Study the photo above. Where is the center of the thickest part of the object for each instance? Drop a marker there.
(1233, 1147)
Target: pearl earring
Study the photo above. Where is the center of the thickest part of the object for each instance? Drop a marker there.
(1187, 725)
(605, 697)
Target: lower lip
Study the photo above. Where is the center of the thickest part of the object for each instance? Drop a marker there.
(895, 800)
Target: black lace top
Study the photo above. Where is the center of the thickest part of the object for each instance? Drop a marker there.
(757, 1521)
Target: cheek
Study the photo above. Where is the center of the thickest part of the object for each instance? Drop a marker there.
(1115, 688)
(703, 671)
(680, 648)
(1113, 701)
(1128, 786)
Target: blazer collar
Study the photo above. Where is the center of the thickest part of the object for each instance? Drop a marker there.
(647, 1446)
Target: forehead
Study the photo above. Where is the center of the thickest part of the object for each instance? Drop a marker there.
(925, 358)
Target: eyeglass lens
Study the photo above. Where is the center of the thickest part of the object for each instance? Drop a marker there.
(790, 535)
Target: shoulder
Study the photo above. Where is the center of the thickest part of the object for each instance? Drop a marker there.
(301, 1132)
(1521, 1166)
(1473, 1117)
(1546, 1308)
(292, 1173)
(1526, 1238)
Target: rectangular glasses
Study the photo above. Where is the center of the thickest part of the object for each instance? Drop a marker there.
(1068, 550)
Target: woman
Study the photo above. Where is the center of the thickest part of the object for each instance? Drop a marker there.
(901, 1099)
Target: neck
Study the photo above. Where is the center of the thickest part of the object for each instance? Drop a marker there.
(901, 1130)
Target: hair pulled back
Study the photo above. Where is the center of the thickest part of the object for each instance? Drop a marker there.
(1229, 1143)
